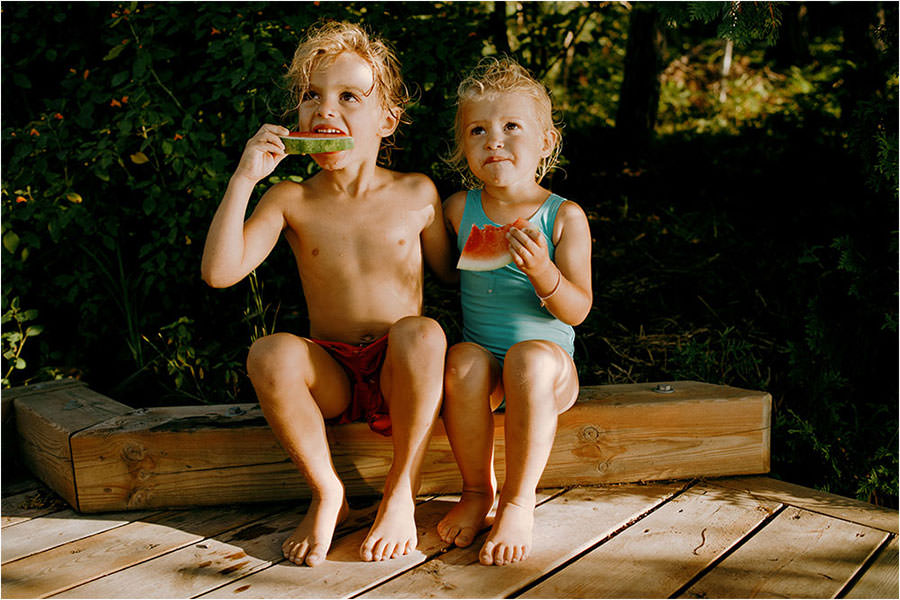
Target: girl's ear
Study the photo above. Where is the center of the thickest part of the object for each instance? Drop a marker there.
(551, 137)
(390, 121)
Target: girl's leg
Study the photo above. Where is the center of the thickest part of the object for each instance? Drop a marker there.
(540, 381)
(299, 385)
(471, 379)
(411, 381)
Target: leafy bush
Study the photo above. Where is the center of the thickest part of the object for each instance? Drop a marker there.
(755, 246)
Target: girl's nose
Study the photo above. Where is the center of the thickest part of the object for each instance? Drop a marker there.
(494, 142)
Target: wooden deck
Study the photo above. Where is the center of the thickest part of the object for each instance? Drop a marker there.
(735, 537)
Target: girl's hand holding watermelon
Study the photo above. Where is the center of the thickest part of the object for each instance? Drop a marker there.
(262, 153)
(529, 251)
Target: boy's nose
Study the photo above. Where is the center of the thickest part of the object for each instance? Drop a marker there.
(325, 109)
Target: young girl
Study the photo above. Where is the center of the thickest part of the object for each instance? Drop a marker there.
(517, 320)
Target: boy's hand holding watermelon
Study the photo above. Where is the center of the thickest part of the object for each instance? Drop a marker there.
(262, 153)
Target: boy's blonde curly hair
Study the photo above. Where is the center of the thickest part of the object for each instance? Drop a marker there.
(498, 76)
(326, 41)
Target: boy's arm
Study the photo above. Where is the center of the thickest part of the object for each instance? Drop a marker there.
(437, 245)
(234, 248)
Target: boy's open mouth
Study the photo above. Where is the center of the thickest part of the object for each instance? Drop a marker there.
(328, 130)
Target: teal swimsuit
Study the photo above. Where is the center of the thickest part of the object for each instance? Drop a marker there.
(500, 307)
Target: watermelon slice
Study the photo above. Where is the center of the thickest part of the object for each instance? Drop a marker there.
(488, 249)
(309, 142)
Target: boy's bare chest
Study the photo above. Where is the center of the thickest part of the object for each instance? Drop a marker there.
(338, 233)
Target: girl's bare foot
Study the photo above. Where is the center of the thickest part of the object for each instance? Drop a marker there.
(394, 532)
(510, 538)
(311, 540)
(465, 520)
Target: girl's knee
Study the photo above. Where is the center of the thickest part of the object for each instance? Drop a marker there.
(533, 359)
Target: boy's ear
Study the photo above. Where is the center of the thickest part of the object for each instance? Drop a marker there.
(390, 121)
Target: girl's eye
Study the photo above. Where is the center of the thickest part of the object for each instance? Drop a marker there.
(349, 97)
(511, 126)
(477, 131)
(308, 95)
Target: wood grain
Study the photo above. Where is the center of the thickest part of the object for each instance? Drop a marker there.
(564, 527)
(190, 456)
(658, 555)
(799, 554)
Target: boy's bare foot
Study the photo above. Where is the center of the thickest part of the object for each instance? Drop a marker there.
(510, 538)
(311, 540)
(394, 532)
(465, 520)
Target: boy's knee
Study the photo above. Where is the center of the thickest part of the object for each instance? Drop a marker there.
(420, 336)
(273, 357)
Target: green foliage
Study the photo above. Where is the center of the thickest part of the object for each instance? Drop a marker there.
(14, 338)
(757, 246)
(742, 22)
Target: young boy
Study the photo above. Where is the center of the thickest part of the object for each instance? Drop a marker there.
(359, 234)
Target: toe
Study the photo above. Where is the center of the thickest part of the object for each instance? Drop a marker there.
(316, 556)
(465, 537)
(486, 556)
(365, 551)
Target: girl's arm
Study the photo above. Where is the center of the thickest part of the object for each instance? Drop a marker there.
(234, 248)
(564, 286)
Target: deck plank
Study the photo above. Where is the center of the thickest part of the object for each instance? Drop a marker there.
(880, 579)
(343, 573)
(839, 507)
(28, 505)
(799, 554)
(564, 527)
(83, 560)
(657, 556)
(62, 527)
(204, 566)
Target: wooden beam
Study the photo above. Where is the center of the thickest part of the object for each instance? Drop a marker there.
(46, 417)
(188, 456)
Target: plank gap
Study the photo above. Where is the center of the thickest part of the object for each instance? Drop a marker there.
(870, 560)
(734, 547)
(593, 547)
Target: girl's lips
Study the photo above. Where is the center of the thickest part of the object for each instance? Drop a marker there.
(494, 159)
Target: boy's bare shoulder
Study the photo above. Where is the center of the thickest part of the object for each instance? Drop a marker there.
(415, 184)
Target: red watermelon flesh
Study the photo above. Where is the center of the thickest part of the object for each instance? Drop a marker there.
(487, 248)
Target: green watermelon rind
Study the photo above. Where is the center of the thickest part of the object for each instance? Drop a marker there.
(316, 145)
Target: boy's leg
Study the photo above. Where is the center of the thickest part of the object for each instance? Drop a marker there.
(471, 375)
(411, 381)
(299, 385)
(540, 382)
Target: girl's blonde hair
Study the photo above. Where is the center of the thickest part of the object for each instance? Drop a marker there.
(326, 41)
(499, 76)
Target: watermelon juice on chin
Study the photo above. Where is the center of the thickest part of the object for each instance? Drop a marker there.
(311, 142)
(488, 249)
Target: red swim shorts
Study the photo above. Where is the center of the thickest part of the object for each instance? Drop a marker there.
(363, 366)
